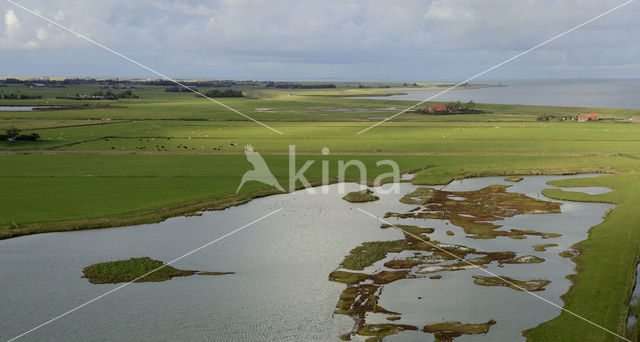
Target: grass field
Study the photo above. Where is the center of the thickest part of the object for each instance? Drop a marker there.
(112, 163)
(612, 248)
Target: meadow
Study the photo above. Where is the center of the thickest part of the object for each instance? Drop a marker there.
(106, 163)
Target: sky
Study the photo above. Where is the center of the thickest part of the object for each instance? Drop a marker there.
(369, 40)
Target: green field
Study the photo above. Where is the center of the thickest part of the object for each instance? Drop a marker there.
(113, 163)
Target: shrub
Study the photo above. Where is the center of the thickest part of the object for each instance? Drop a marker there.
(222, 93)
(14, 133)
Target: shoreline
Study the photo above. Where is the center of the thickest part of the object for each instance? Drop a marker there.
(219, 203)
(583, 269)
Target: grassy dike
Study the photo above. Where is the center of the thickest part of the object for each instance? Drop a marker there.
(606, 264)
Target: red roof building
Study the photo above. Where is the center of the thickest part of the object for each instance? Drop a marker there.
(587, 117)
(436, 108)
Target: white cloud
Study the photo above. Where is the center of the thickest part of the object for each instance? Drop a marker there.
(335, 38)
(446, 10)
(186, 8)
(11, 21)
(42, 34)
(13, 36)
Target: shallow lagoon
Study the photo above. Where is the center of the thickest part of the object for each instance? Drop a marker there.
(583, 93)
(281, 290)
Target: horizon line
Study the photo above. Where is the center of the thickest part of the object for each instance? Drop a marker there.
(304, 79)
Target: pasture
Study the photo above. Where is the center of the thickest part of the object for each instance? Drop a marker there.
(106, 163)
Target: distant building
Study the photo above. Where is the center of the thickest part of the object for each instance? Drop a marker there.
(437, 108)
(587, 117)
(37, 85)
(635, 118)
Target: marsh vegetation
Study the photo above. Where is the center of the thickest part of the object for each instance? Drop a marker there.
(365, 195)
(371, 266)
(138, 270)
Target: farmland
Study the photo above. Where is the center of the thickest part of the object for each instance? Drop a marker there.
(106, 163)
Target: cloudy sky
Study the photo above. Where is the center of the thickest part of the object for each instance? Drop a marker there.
(400, 40)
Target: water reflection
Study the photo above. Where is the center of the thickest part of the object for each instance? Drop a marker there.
(280, 290)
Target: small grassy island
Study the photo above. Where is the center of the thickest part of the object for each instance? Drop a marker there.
(520, 285)
(541, 247)
(365, 195)
(514, 179)
(447, 331)
(128, 270)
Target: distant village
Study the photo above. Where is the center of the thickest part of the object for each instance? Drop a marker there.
(576, 117)
(116, 83)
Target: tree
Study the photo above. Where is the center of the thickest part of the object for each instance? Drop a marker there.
(454, 107)
(125, 94)
(13, 135)
(28, 137)
(12, 132)
(470, 105)
(222, 93)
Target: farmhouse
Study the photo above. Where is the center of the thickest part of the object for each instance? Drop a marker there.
(437, 108)
(587, 117)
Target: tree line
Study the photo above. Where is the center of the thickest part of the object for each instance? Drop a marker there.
(287, 85)
(222, 93)
(179, 90)
(127, 82)
(13, 134)
(13, 96)
(102, 95)
(123, 94)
